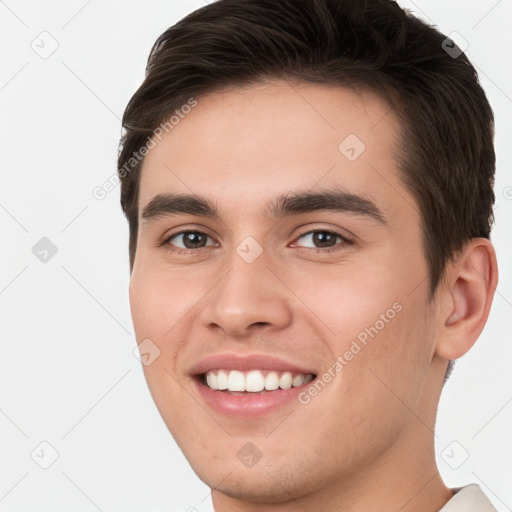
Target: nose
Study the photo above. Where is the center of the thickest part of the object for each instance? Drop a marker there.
(249, 297)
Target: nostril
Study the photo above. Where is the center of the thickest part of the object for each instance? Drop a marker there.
(259, 323)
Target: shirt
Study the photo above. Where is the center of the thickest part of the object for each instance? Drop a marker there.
(469, 499)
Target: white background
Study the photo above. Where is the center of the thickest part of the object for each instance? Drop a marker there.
(68, 375)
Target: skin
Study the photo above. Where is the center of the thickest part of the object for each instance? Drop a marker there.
(366, 441)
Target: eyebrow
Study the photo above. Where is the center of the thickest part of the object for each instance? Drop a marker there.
(292, 203)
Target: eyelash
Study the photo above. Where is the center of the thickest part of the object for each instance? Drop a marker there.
(344, 239)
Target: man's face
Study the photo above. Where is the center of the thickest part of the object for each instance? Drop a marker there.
(310, 284)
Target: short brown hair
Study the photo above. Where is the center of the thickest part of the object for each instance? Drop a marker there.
(446, 155)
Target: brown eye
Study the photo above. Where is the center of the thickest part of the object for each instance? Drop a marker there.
(321, 239)
(324, 239)
(188, 240)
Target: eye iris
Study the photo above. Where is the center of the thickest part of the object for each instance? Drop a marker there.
(324, 239)
(193, 240)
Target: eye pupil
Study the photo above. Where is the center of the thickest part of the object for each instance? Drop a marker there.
(192, 239)
(324, 239)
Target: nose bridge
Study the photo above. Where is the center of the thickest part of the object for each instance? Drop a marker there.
(248, 293)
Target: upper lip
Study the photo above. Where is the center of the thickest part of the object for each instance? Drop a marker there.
(246, 362)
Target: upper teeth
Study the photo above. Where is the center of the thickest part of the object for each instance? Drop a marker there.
(254, 380)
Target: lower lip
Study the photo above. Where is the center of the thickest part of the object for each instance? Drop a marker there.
(249, 405)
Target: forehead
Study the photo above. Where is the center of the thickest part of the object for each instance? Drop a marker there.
(243, 146)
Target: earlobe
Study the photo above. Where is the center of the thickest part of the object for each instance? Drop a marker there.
(468, 291)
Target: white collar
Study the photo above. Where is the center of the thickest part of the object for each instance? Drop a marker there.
(469, 499)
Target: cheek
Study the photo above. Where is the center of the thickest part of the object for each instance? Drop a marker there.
(346, 298)
(376, 292)
(158, 308)
(370, 319)
(387, 377)
(160, 301)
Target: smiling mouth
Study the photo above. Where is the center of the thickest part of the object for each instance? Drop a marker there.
(253, 382)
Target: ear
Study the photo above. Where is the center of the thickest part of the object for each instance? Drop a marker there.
(466, 297)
